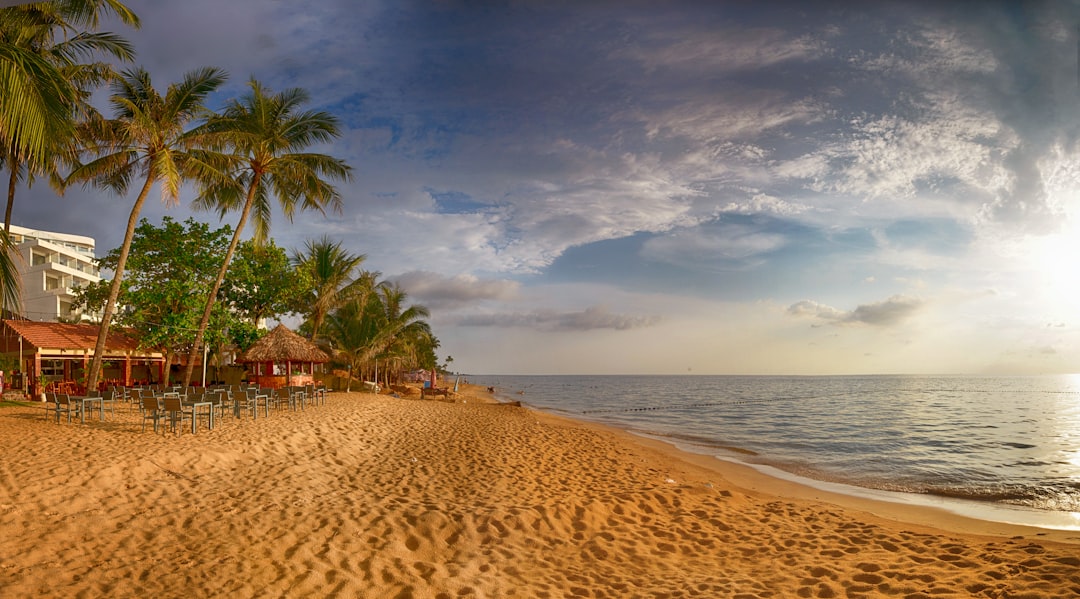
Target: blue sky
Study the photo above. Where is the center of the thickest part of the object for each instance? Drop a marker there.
(705, 187)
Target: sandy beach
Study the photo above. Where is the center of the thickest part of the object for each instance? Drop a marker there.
(377, 496)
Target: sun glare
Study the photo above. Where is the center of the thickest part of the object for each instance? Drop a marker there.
(1053, 260)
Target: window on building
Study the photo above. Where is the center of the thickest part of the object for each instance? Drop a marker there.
(52, 368)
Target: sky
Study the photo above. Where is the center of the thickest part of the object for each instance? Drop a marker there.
(677, 187)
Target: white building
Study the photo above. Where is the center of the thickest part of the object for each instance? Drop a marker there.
(52, 266)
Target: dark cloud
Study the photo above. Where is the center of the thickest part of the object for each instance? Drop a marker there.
(885, 313)
(439, 291)
(595, 317)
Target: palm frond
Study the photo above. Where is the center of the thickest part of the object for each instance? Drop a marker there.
(88, 44)
(36, 100)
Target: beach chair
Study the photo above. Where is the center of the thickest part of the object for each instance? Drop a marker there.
(175, 410)
(66, 406)
(294, 397)
(50, 406)
(108, 402)
(151, 410)
(137, 396)
(199, 396)
(316, 394)
(271, 397)
(261, 398)
(248, 402)
(221, 400)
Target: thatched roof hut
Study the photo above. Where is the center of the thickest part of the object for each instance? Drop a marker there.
(282, 347)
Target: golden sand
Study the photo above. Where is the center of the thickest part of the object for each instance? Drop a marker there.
(397, 497)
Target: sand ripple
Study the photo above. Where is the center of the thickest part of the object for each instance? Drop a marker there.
(385, 497)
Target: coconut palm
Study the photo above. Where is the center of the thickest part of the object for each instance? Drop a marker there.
(36, 102)
(147, 137)
(378, 326)
(41, 85)
(50, 30)
(328, 269)
(353, 334)
(268, 134)
(404, 336)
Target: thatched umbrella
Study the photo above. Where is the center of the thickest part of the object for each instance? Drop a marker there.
(283, 345)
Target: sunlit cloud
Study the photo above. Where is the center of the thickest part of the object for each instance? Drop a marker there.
(886, 313)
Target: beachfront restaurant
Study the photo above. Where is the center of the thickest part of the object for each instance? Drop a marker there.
(282, 359)
(59, 354)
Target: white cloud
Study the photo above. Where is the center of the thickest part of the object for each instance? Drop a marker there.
(697, 48)
(886, 313)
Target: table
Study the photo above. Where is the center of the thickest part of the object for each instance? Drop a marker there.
(265, 403)
(89, 400)
(195, 405)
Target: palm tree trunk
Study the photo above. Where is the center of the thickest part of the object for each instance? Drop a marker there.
(11, 285)
(114, 289)
(196, 346)
(12, 180)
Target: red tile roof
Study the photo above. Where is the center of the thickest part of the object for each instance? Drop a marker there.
(59, 335)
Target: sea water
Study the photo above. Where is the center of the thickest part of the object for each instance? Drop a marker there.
(998, 448)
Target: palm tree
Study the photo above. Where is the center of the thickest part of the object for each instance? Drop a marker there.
(268, 133)
(50, 31)
(147, 136)
(36, 102)
(353, 334)
(377, 326)
(328, 269)
(404, 336)
(40, 88)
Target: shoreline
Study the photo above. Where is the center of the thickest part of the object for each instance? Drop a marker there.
(378, 496)
(750, 478)
(989, 511)
(1058, 524)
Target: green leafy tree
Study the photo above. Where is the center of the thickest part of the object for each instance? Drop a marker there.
(148, 136)
(169, 270)
(327, 270)
(269, 135)
(260, 283)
